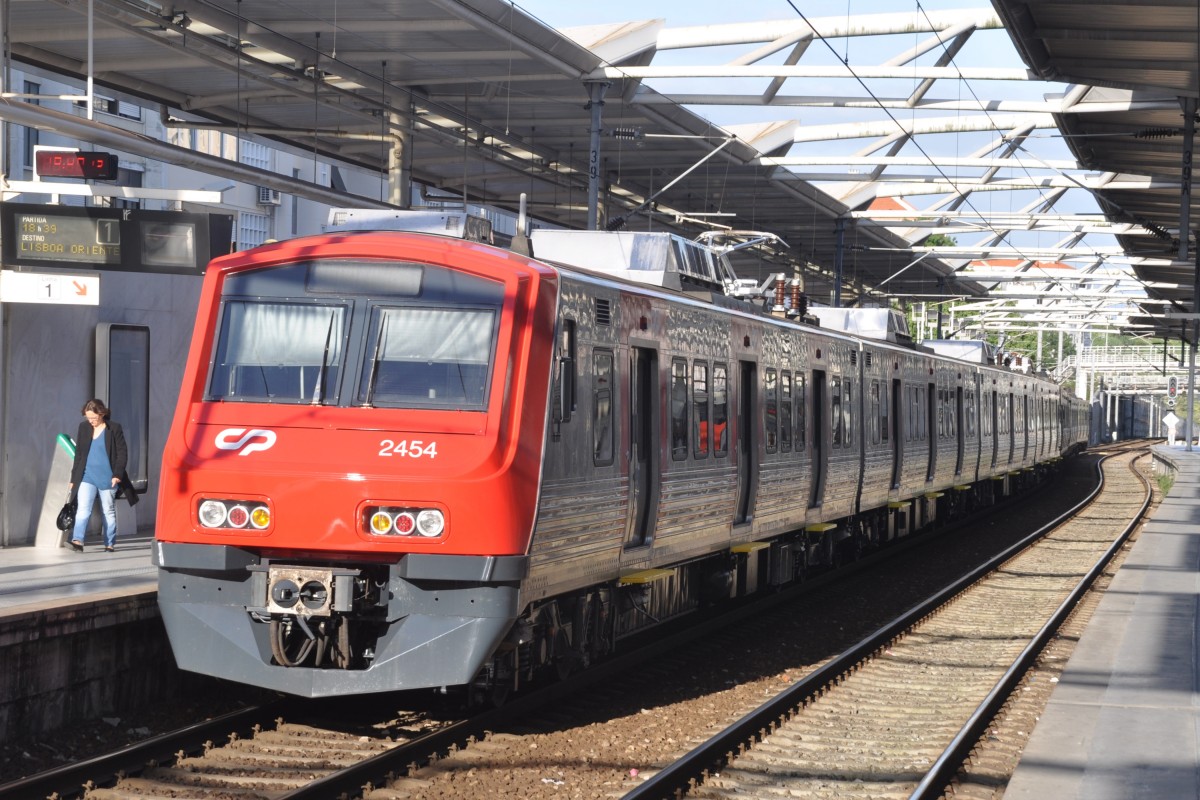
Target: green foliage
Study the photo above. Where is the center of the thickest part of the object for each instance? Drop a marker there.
(939, 240)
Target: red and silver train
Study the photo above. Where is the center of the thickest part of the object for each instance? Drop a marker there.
(404, 461)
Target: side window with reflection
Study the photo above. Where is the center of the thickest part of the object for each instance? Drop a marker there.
(700, 407)
(602, 410)
(910, 420)
(848, 413)
(801, 419)
(564, 381)
(720, 417)
(679, 409)
(885, 413)
(941, 413)
(785, 411)
(835, 411)
(876, 411)
(771, 421)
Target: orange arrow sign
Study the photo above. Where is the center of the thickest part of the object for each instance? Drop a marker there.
(80, 288)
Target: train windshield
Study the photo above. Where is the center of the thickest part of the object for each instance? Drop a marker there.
(428, 357)
(278, 352)
(391, 334)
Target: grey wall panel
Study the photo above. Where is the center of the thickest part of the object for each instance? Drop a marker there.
(48, 361)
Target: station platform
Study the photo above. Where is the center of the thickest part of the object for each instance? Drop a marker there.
(80, 636)
(1124, 720)
(37, 578)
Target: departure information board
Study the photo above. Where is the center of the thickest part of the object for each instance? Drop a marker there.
(52, 237)
(34, 237)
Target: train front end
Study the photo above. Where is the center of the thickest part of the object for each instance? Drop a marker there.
(350, 480)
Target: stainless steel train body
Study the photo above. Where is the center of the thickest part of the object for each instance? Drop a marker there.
(683, 429)
(646, 449)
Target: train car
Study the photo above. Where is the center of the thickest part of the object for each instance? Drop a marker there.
(408, 461)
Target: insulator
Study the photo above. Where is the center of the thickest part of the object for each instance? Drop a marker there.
(1157, 133)
(780, 289)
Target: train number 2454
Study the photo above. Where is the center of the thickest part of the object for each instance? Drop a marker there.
(414, 448)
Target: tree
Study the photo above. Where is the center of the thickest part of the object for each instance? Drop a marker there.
(939, 240)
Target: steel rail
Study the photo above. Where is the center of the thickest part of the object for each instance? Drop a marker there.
(70, 780)
(956, 753)
(371, 772)
(677, 779)
(73, 779)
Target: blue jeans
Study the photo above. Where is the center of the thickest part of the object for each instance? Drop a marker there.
(108, 504)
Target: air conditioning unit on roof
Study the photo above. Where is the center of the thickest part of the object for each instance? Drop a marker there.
(269, 197)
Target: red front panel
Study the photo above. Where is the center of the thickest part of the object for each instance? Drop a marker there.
(319, 468)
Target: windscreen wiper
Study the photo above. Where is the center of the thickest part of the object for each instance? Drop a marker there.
(316, 401)
(374, 367)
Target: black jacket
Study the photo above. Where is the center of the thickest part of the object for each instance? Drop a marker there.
(118, 456)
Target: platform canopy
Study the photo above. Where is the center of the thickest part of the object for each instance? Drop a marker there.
(1135, 68)
(852, 138)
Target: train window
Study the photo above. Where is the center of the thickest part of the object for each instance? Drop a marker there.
(910, 414)
(801, 419)
(785, 412)
(835, 411)
(771, 398)
(602, 410)
(951, 415)
(946, 413)
(927, 399)
(848, 413)
(700, 407)
(679, 409)
(720, 420)
(278, 352)
(428, 358)
(875, 419)
(941, 413)
(972, 409)
(884, 414)
(564, 381)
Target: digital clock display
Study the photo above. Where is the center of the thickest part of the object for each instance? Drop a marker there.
(91, 165)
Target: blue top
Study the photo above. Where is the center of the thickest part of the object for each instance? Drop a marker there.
(98, 471)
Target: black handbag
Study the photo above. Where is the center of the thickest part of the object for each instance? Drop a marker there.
(66, 518)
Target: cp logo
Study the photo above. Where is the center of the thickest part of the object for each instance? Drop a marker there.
(245, 441)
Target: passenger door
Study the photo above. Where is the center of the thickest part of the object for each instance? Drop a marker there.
(644, 467)
(819, 413)
(897, 432)
(747, 442)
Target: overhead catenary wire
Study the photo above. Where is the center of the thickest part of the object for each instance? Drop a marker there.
(963, 197)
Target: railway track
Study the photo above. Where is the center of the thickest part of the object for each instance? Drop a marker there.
(896, 715)
(262, 756)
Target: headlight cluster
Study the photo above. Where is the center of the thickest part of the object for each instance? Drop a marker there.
(234, 514)
(386, 521)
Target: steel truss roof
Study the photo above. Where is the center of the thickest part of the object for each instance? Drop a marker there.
(1143, 59)
(492, 104)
